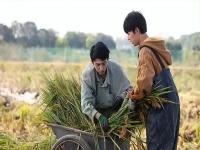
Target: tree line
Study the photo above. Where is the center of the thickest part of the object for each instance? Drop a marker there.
(28, 35)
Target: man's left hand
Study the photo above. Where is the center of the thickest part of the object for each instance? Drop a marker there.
(135, 96)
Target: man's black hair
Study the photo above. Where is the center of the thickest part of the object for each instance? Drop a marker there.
(133, 20)
(99, 51)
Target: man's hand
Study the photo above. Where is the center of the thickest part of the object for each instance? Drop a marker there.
(118, 102)
(135, 95)
(104, 123)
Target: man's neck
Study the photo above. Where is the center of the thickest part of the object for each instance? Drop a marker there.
(102, 76)
(143, 37)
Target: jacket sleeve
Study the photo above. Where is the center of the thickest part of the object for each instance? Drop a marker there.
(145, 75)
(87, 97)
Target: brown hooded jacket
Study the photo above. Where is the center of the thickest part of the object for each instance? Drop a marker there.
(149, 66)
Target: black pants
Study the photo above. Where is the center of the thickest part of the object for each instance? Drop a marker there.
(162, 125)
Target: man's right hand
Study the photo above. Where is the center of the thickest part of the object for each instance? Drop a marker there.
(104, 123)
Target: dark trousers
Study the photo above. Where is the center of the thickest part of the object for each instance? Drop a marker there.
(162, 124)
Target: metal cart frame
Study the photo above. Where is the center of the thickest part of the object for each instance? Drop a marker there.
(74, 139)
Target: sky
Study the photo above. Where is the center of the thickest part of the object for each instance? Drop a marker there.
(164, 17)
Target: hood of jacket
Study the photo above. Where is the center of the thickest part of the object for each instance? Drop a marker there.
(159, 46)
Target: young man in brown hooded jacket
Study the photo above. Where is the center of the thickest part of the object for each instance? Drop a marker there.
(162, 124)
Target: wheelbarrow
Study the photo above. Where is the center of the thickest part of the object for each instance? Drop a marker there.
(74, 139)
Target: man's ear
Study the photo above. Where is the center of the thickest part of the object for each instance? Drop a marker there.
(137, 30)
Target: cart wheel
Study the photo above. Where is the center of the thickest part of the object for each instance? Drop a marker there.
(71, 142)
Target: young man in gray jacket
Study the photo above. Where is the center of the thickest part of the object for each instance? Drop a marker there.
(103, 86)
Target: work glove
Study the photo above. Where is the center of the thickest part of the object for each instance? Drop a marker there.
(104, 123)
(118, 103)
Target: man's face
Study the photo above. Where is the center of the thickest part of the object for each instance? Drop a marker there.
(100, 66)
(133, 37)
